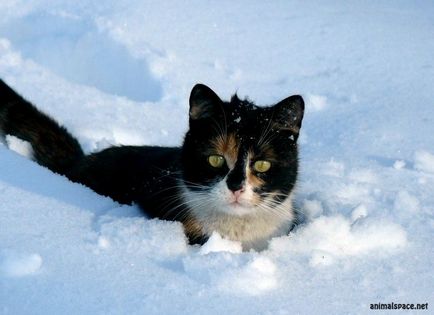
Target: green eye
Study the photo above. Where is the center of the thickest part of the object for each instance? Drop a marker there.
(216, 161)
(262, 166)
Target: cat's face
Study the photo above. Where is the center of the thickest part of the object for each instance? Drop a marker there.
(239, 158)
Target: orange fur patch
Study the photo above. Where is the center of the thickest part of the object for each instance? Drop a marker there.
(228, 147)
(192, 228)
(252, 179)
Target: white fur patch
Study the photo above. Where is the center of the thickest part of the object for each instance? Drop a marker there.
(21, 147)
(249, 224)
(222, 197)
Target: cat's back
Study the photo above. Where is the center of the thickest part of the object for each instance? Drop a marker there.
(125, 173)
(5, 91)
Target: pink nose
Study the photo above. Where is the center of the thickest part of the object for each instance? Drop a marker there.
(237, 193)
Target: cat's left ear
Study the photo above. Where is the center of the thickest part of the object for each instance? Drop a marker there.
(289, 112)
(204, 102)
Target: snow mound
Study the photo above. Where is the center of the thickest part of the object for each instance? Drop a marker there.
(256, 277)
(312, 208)
(218, 244)
(424, 161)
(154, 238)
(399, 164)
(327, 239)
(233, 274)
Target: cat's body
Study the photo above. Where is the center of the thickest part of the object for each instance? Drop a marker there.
(234, 174)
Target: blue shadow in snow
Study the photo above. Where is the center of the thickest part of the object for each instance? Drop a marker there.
(73, 48)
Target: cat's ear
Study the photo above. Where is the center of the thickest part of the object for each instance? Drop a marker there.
(203, 102)
(289, 112)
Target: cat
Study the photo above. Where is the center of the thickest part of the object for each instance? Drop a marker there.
(234, 174)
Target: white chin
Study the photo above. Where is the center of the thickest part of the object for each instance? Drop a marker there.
(237, 209)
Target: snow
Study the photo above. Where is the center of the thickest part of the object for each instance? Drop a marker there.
(120, 72)
(20, 146)
(218, 244)
(19, 264)
(399, 164)
(339, 237)
(424, 161)
(315, 103)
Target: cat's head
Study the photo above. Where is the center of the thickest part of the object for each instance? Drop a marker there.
(239, 158)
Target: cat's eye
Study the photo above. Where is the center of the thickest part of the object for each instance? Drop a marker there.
(216, 161)
(262, 166)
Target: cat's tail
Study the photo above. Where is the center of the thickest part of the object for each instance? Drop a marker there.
(53, 146)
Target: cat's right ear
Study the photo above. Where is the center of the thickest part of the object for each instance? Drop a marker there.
(289, 112)
(203, 102)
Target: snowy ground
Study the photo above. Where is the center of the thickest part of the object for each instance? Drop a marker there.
(119, 72)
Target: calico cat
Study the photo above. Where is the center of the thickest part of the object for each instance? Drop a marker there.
(234, 174)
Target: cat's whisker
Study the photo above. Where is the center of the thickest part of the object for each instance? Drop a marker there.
(275, 212)
(221, 134)
(180, 207)
(224, 119)
(268, 138)
(265, 132)
(186, 182)
(180, 196)
(182, 186)
(272, 194)
(176, 197)
(198, 196)
(275, 207)
(184, 210)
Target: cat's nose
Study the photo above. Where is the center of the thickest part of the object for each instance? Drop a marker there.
(236, 186)
(237, 193)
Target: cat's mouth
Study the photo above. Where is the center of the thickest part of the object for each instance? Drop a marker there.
(238, 208)
(238, 203)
